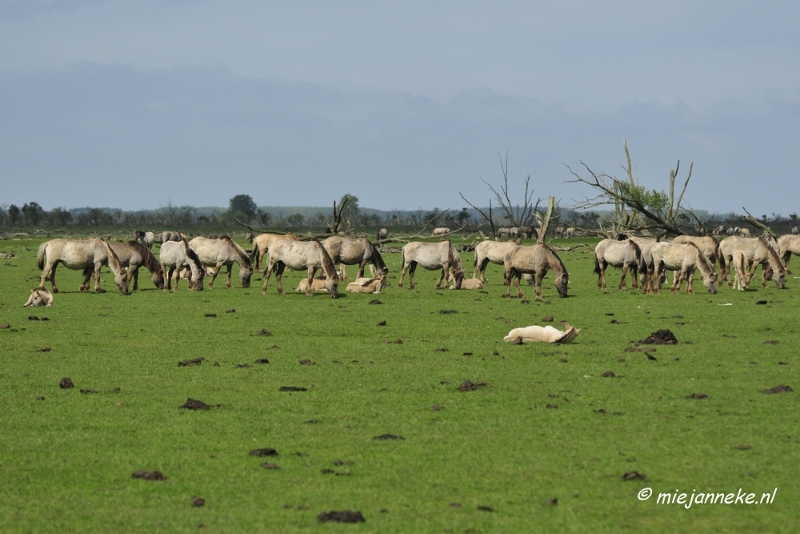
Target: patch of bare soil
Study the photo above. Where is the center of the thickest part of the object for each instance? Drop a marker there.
(387, 437)
(484, 508)
(44, 349)
(263, 332)
(661, 337)
(148, 475)
(548, 319)
(211, 315)
(190, 363)
(244, 366)
(292, 388)
(345, 516)
(88, 391)
(267, 451)
(742, 447)
(306, 361)
(382, 323)
(197, 502)
(267, 465)
(469, 385)
(609, 374)
(441, 349)
(778, 389)
(634, 475)
(194, 404)
(388, 342)
(65, 383)
(551, 502)
(4, 326)
(698, 396)
(375, 301)
(262, 360)
(447, 312)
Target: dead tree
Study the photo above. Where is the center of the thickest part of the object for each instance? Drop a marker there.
(637, 209)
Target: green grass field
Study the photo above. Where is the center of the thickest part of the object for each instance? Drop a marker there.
(543, 447)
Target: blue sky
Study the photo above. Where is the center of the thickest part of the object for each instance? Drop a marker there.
(135, 105)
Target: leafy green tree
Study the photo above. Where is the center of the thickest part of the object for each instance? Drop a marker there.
(244, 205)
(14, 214)
(33, 213)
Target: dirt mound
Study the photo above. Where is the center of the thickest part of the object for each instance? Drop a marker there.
(268, 451)
(661, 337)
(66, 383)
(148, 475)
(469, 385)
(345, 516)
(194, 404)
(778, 389)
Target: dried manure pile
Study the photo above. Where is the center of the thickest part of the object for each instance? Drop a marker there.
(227, 410)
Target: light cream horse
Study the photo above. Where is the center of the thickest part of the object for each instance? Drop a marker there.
(742, 279)
(757, 251)
(535, 260)
(298, 255)
(133, 255)
(175, 255)
(88, 255)
(354, 251)
(709, 246)
(368, 285)
(431, 256)
(39, 297)
(646, 267)
(684, 259)
(787, 245)
(624, 254)
(225, 251)
(261, 244)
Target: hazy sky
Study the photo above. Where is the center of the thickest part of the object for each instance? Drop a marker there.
(407, 104)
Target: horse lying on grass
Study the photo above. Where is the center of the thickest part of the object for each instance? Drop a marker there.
(545, 334)
(39, 297)
(367, 285)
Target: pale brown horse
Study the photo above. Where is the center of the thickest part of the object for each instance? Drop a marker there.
(684, 259)
(431, 256)
(133, 255)
(489, 251)
(298, 255)
(646, 267)
(709, 246)
(742, 278)
(787, 245)
(88, 255)
(354, 251)
(621, 254)
(175, 255)
(225, 251)
(535, 260)
(261, 244)
(757, 251)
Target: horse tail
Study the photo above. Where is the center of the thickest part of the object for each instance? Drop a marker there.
(41, 254)
(718, 253)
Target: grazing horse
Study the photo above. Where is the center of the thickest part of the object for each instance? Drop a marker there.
(490, 251)
(440, 232)
(625, 254)
(383, 233)
(88, 255)
(646, 267)
(742, 279)
(133, 255)
(297, 255)
(146, 238)
(569, 232)
(177, 255)
(223, 251)
(684, 259)
(757, 251)
(535, 260)
(788, 245)
(168, 235)
(431, 256)
(708, 245)
(354, 251)
(261, 244)
(559, 232)
(526, 231)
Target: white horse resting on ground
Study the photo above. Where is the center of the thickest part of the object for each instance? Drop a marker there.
(39, 297)
(431, 256)
(742, 279)
(467, 283)
(546, 334)
(175, 255)
(684, 259)
(367, 285)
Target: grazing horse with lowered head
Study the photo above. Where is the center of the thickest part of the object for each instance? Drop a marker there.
(534, 260)
(684, 259)
(709, 246)
(88, 255)
(225, 251)
(175, 255)
(133, 255)
(787, 245)
(431, 256)
(757, 251)
(354, 251)
(298, 255)
(261, 244)
(621, 254)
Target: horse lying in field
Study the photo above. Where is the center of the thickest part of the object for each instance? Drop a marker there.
(354, 251)
(545, 334)
(133, 255)
(317, 285)
(431, 256)
(175, 255)
(367, 285)
(757, 251)
(88, 255)
(39, 297)
(224, 251)
(468, 283)
(535, 260)
(621, 254)
(684, 259)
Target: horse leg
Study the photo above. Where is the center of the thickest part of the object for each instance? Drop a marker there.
(623, 283)
(279, 276)
(786, 258)
(634, 277)
(601, 275)
(402, 275)
(97, 288)
(689, 284)
(87, 274)
(655, 280)
(343, 271)
(539, 278)
(49, 272)
(411, 268)
(228, 278)
(267, 274)
(445, 269)
(311, 272)
(170, 272)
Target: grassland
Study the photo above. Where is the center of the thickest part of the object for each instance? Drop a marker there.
(542, 448)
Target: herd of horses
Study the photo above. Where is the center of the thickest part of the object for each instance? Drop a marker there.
(647, 260)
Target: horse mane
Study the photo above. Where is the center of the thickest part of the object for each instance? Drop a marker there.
(773, 252)
(380, 264)
(453, 257)
(191, 255)
(552, 254)
(718, 252)
(244, 259)
(327, 262)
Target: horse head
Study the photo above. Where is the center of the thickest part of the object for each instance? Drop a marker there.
(332, 286)
(244, 275)
(710, 281)
(121, 279)
(562, 282)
